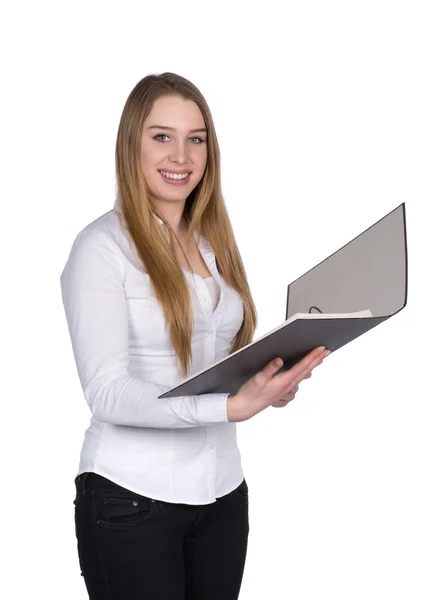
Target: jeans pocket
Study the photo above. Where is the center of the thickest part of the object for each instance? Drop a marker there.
(119, 509)
(122, 511)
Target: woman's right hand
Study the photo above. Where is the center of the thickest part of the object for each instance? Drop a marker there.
(262, 389)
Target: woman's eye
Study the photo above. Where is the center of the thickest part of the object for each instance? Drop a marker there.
(159, 136)
(198, 140)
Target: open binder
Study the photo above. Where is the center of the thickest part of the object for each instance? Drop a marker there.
(350, 292)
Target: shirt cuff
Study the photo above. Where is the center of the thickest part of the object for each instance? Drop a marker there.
(212, 408)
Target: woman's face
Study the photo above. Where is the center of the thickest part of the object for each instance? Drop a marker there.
(173, 144)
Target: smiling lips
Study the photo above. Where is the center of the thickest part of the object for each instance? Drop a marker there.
(177, 178)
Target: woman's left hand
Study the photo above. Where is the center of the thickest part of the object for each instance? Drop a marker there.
(288, 397)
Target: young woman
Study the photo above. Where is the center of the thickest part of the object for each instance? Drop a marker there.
(155, 290)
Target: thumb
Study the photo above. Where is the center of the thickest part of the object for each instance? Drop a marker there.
(273, 366)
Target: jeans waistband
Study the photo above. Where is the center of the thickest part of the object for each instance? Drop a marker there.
(85, 482)
(91, 481)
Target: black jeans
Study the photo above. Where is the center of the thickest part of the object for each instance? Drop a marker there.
(131, 547)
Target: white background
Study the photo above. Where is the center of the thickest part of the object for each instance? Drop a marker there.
(324, 114)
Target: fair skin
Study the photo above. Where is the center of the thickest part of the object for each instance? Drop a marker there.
(264, 389)
(174, 143)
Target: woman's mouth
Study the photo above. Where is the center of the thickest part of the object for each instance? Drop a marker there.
(175, 178)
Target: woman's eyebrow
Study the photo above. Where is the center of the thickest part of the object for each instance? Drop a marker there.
(174, 129)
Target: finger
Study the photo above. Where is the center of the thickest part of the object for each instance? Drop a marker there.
(295, 374)
(315, 362)
(318, 360)
(304, 375)
(295, 384)
(312, 360)
(288, 396)
(305, 365)
(302, 369)
(271, 368)
(280, 403)
(291, 391)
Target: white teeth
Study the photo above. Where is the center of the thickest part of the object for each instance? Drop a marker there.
(175, 175)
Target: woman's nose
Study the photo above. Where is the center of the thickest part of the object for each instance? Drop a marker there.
(179, 153)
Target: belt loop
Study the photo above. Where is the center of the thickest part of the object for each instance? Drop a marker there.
(82, 482)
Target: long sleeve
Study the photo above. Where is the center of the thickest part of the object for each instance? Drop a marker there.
(96, 313)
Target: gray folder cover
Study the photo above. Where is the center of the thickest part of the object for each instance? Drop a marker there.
(370, 272)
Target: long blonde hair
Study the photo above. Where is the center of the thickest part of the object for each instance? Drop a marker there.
(204, 214)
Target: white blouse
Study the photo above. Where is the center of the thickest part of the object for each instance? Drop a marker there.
(213, 289)
(181, 449)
